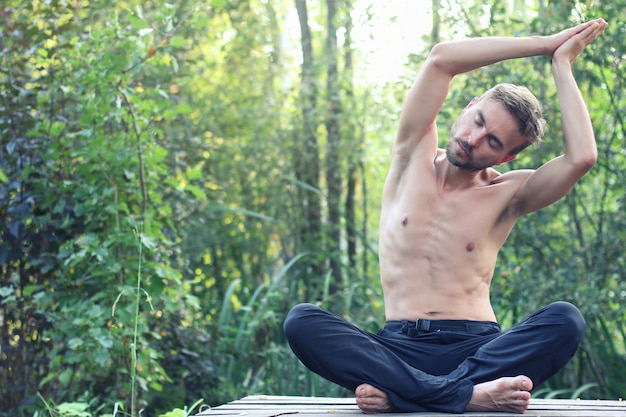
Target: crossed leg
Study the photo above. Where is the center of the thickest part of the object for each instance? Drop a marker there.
(554, 333)
(507, 394)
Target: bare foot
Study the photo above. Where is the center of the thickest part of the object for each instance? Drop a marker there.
(372, 400)
(504, 394)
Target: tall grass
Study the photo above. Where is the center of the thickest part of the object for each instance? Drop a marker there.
(248, 342)
(252, 355)
(138, 290)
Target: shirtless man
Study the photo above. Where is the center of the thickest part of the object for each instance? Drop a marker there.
(445, 215)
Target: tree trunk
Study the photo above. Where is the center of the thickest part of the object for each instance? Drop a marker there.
(353, 157)
(333, 149)
(434, 33)
(307, 159)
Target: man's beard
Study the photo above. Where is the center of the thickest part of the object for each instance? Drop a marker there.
(469, 164)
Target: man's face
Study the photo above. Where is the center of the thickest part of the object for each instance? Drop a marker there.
(484, 135)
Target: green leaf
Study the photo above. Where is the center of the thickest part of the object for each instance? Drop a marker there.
(56, 128)
(105, 341)
(147, 241)
(145, 31)
(194, 173)
(65, 376)
(184, 108)
(29, 290)
(73, 409)
(178, 41)
(177, 412)
(6, 291)
(75, 342)
(196, 191)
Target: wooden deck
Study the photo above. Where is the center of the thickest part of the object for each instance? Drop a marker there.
(275, 406)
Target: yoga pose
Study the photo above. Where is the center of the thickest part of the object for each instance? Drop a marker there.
(445, 215)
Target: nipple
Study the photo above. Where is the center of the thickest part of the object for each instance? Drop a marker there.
(470, 246)
(405, 220)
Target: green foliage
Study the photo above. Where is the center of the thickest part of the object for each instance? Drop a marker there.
(169, 136)
(88, 408)
(83, 119)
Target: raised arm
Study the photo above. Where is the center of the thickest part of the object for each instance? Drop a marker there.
(557, 177)
(449, 59)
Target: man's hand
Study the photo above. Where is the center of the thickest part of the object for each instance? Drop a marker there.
(573, 46)
(553, 42)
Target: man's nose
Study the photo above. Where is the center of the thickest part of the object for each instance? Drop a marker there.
(473, 140)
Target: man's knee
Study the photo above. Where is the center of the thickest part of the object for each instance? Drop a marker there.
(296, 323)
(571, 320)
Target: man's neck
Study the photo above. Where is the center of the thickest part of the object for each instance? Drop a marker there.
(451, 177)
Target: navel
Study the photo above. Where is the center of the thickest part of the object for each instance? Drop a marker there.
(405, 220)
(470, 246)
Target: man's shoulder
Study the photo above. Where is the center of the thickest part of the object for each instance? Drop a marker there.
(513, 176)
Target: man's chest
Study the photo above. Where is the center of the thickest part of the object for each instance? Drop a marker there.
(469, 217)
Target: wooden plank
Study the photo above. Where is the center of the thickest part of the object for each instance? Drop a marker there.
(269, 399)
(277, 406)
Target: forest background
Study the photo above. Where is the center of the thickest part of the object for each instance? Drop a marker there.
(175, 176)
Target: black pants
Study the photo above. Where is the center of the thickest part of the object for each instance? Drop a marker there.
(433, 366)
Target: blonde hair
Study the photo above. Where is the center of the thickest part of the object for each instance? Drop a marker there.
(522, 104)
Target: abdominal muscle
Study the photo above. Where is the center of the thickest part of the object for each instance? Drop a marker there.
(424, 297)
(434, 289)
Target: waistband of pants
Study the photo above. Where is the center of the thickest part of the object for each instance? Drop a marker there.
(414, 328)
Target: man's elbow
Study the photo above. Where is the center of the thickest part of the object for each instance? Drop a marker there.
(437, 52)
(584, 164)
(440, 57)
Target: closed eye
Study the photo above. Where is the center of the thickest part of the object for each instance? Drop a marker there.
(495, 143)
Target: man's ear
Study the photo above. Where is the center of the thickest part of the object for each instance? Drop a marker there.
(471, 103)
(507, 159)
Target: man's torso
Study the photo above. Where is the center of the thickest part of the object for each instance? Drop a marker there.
(438, 244)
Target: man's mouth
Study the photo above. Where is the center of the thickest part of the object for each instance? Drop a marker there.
(464, 150)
